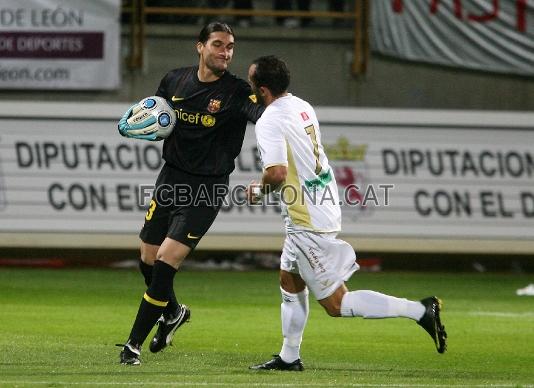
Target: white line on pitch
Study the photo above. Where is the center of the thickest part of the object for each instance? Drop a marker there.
(198, 384)
(502, 314)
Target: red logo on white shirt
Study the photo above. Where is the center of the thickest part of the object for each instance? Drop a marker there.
(304, 116)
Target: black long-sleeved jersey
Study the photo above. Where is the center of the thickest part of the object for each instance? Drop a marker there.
(211, 121)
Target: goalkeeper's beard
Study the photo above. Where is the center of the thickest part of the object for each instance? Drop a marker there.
(217, 70)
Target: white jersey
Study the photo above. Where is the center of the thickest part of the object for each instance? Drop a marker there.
(288, 134)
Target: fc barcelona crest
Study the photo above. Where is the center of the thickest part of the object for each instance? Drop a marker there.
(214, 106)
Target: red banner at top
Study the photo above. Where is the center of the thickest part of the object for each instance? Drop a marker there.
(520, 8)
(489, 35)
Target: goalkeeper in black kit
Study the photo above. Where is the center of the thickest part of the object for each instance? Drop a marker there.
(212, 107)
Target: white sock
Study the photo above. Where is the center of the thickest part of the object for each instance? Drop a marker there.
(371, 304)
(294, 312)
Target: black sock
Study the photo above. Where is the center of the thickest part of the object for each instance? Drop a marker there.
(154, 301)
(146, 271)
(172, 306)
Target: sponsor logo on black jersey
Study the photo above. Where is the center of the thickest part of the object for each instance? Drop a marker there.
(214, 106)
(195, 118)
(208, 120)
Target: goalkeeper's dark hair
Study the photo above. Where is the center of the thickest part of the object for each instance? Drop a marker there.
(272, 73)
(214, 27)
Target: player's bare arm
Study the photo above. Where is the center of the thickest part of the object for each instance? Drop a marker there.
(273, 179)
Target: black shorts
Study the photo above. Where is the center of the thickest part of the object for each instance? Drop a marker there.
(183, 206)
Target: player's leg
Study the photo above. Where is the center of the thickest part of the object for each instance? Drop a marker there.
(188, 222)
(174, 314)
(188, 226)
(146, 264)
(329, 262)
(372, 304)
(326, 263)
(156, 298)
(159, 296)
(294, 313)
(169, 257)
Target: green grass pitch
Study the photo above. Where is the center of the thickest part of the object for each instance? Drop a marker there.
(59, 327)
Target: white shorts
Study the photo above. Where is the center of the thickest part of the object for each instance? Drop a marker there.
(322, 261)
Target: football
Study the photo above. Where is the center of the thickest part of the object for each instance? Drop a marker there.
(152, 116)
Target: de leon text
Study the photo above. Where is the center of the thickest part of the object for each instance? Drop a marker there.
(44, 18)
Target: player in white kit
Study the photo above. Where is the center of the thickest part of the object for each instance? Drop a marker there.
(296, 166)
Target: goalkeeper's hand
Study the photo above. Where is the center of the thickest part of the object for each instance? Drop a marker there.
(138, 124)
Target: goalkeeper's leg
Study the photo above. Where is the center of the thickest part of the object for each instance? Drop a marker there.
(175, 314)
(169, 257)
(146, 264)
(152, 305)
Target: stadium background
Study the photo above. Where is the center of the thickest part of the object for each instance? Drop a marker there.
(477, 282)
(320, 59)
